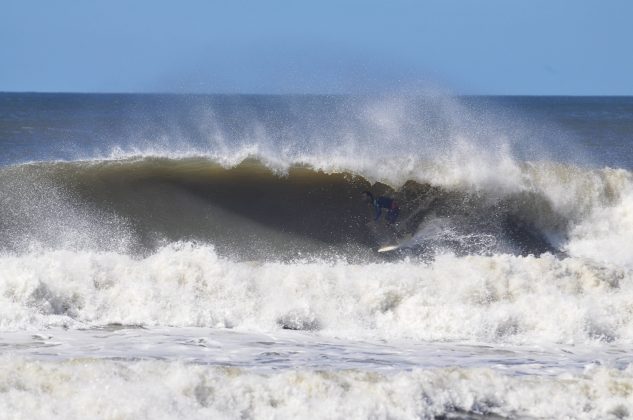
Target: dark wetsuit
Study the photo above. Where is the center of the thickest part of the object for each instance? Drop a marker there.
(386, 203)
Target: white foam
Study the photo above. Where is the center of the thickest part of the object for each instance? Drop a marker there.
(501, 298)
(607, 233)
(153, 389)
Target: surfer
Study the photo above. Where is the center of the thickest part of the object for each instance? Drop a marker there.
(382, 203)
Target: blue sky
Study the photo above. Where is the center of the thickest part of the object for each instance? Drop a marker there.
(534, 47)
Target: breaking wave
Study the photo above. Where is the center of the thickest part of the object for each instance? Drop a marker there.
(254, 211)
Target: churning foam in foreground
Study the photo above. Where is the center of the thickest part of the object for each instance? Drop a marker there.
(155, 389)
(502, 298)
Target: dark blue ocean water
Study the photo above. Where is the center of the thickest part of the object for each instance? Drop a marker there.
(596, 131)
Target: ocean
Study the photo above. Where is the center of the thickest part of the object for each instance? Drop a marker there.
(210, 256)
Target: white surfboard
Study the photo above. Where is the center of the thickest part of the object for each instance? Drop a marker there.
(389, 248)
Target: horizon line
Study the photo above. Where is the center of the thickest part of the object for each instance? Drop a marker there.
(340, 94)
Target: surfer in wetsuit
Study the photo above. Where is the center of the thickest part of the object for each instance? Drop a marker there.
(382, 203)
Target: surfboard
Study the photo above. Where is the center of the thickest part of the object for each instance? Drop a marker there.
(389, 248)
(404, 243)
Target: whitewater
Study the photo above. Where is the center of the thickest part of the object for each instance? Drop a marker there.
(170, 256)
